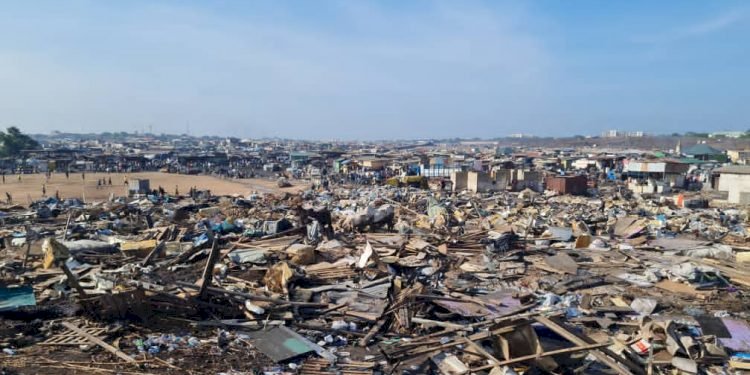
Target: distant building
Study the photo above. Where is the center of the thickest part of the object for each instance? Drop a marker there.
(479, 182)
(521, 135)
(619, 133)
(735, 180)
(573, 185)
(667, 171)
(730, 134)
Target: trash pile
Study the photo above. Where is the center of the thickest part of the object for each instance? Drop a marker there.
(375, 280)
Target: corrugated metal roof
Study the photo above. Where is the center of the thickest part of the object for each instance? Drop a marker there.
(281, 344)
(701, 149)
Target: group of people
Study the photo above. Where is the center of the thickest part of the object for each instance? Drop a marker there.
(44, 192)
(102, 182)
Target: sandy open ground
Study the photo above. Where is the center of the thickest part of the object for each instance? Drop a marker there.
(30, 185)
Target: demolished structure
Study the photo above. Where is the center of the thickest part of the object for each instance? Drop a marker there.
(492, 275)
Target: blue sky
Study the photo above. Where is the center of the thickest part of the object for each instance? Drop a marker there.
(375, 70)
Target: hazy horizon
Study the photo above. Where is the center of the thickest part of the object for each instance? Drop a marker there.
(375, 70)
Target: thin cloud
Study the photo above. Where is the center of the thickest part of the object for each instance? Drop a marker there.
(699, 29)
(398, 72)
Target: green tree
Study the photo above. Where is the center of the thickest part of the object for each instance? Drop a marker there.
(697, 135)
(12, 141)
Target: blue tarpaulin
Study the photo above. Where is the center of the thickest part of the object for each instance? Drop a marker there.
(12, 298)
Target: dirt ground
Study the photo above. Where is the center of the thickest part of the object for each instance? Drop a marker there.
(30, 186)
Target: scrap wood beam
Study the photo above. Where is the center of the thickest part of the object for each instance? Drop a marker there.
(29, 238)
(539, 355)
(284, 233)
(604, 355)
(72, 280)
(460, 340)
(373, 331)
(495, 363)
(99, 342)
(154, 253)
(407, 209)
(507, 317)
(186, 255)
(208, 272)
(429, 322)
(67, 224)
(196, 249)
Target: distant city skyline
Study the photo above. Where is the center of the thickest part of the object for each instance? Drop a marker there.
(375, 70)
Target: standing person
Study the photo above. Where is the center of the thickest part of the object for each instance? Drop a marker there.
(57, 194)
(110, 181)
(83, 176)
(67, 175)
(44, 190)
(19, 177)
(10, 199)
(176, 190)
(3, 177)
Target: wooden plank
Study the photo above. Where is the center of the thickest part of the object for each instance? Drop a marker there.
(494, 361)
(676, 287)
(736, 275)
(28, 251)
(540, 355)
(599, 354)
(99, 342)
(208, 272)
(154, 253)
(371, 333)
(72, 279)
(474, 337)
(429, 323)
(67, 224)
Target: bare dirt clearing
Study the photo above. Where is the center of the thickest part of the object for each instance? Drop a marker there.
(30, 186)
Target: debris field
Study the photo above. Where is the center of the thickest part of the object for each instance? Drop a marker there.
(357, 279)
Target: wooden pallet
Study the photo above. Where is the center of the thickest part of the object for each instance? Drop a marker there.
(331, 273)
(71, 338)
(320, 366)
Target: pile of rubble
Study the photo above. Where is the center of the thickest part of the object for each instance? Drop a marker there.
(375, 279)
